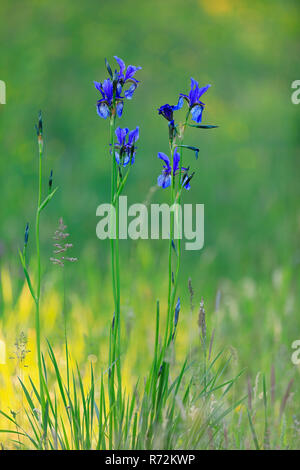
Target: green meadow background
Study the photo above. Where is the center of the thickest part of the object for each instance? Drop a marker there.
(247, 174)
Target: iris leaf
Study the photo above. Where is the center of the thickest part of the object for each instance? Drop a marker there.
(202, 126)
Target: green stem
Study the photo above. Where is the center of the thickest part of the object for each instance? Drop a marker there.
(118, 327)
(172, 292)
(116, 333)
(112, 242)
(169, 319)
(112, 250)
(38, 289)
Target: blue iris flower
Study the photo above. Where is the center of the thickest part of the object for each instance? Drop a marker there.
(193, 98)
(114, 85)
(125, 148)
(164, 180)
(127, 76)
(167, 110)
(107, 91)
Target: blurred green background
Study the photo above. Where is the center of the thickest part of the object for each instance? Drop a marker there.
(247, 174)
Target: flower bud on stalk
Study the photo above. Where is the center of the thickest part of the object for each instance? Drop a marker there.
(39, 131)
(172, 132)
(26, 235)
(50, 180)
(176, 317)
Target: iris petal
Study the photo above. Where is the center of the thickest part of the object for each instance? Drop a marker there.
(121, 64)
(133, 136)
(165, 158)
(121, 134)
(203, 90)
(160, 180)
(164, 181)
(131, 70)
(197, 113)
(120, 108)
(167, 181)
(129, 93)
(126, 160)
(98, 86)
(176, 160)
(103, 110)
(117, 157)
(179, 104)
(167, 111)
(108, 88)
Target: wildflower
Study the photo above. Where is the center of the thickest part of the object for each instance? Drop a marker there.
(61, 247)
(193, 98)
(126, 76)
(105, 104)
(125, 147)
(167, 110)
(164, 180)
(111, 89)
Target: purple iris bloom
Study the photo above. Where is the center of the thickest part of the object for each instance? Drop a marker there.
(167, 110)
(106, 89)
(127, 75)
(125, 147)
(164, 180)
(111, 88)
(193, 99)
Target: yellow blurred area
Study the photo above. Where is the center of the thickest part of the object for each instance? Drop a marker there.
(6, 286)
(217, 7)
(18, 350)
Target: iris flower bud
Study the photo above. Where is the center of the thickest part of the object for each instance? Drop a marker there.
(26, 234)
(39, 131)
(50, 180)
(108, 67)
(177, 310)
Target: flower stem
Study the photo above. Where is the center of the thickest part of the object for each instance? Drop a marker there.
(38, 288)
(169, 319)
(112, 242)
(172, 291)
(115, 347)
